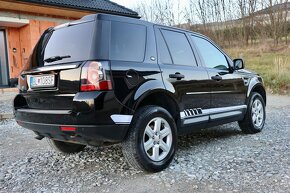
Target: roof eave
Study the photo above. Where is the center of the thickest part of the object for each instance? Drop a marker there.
(133, 15)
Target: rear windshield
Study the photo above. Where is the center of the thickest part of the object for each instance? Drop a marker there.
(73, 42)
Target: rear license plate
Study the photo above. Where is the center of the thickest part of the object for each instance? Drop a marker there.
(42, 81)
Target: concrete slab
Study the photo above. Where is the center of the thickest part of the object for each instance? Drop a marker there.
(6, 116)
(5, 90)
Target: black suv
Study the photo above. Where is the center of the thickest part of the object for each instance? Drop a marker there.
(108, 79)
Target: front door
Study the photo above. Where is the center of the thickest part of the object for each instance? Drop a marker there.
(3, 61)
(228, 91)
(182, 75)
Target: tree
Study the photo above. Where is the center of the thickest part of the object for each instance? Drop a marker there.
(226, 21)
(166, 12)
(277, 11)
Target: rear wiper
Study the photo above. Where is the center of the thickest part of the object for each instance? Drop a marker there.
(55, 58)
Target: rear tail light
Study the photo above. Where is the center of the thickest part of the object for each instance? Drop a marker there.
(94, 77)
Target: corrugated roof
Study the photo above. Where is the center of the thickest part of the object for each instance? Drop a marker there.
(101, 6)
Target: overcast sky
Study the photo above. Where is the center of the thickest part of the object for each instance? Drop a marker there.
(127, 3)
(133, 3)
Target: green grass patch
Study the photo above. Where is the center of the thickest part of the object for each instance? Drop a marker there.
(273, 66)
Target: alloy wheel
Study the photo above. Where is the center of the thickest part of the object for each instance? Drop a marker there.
(157, 139)
(257, 113)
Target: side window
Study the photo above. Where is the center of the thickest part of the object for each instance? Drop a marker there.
(179, 48)
(163, 52)
(127, 42)
(212, 57)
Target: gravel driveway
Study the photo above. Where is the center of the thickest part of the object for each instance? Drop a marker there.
(219, 159)
(6, 102)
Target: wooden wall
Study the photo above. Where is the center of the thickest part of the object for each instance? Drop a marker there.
(24, 40)
(15, 62)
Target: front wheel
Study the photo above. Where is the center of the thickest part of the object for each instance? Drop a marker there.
(152, 139)
(255, 117)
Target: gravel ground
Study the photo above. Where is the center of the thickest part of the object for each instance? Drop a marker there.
(219, 159)
(6, 102)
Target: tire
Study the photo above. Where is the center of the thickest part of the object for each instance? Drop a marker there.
(255, 117)
(145, 133)
(65, 147)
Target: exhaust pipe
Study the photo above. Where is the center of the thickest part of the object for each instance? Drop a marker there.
(39, 137)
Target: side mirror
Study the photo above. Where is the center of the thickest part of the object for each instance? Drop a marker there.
(238, 64)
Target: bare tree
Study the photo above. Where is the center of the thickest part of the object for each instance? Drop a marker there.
(226, 21)
(167, 12)
(277, 11)
(190, 14)
(251, 11)
(201, 10)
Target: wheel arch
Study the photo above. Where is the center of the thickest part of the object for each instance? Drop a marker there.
(256, 85)
(162, 98)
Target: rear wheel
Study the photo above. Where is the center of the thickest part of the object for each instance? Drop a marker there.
(255, 117)
(152, 139)
(65, 147)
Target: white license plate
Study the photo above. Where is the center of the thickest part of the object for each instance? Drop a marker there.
(42, 81)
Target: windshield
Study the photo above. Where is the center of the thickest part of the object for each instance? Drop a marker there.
(68, 44)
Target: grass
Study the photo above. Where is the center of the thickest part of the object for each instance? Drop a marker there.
(272, 64)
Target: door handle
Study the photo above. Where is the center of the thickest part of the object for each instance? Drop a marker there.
(177, 75)
(217, 77)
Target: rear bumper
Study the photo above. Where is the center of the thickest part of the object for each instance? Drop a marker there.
(95, 115)
(84, 134)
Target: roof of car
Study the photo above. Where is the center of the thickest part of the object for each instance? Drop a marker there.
(136, 21)
(101, 6)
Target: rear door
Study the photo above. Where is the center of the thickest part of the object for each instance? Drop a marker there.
(132, 58)
(182, 75)
(228, 91)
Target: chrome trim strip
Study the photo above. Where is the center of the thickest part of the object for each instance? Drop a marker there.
(223, 109)
(121, 119)
(40, 111)
(196, 119)
(226, 114)
(48, 124)
(192, 93)
(52, 68)
(56, 67)
(212, 92)
(65, 95)
(205, 112)
(182, 114)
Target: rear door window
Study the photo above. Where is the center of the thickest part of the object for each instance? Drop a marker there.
(163, 52)
(179, 48)
(127, 42)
